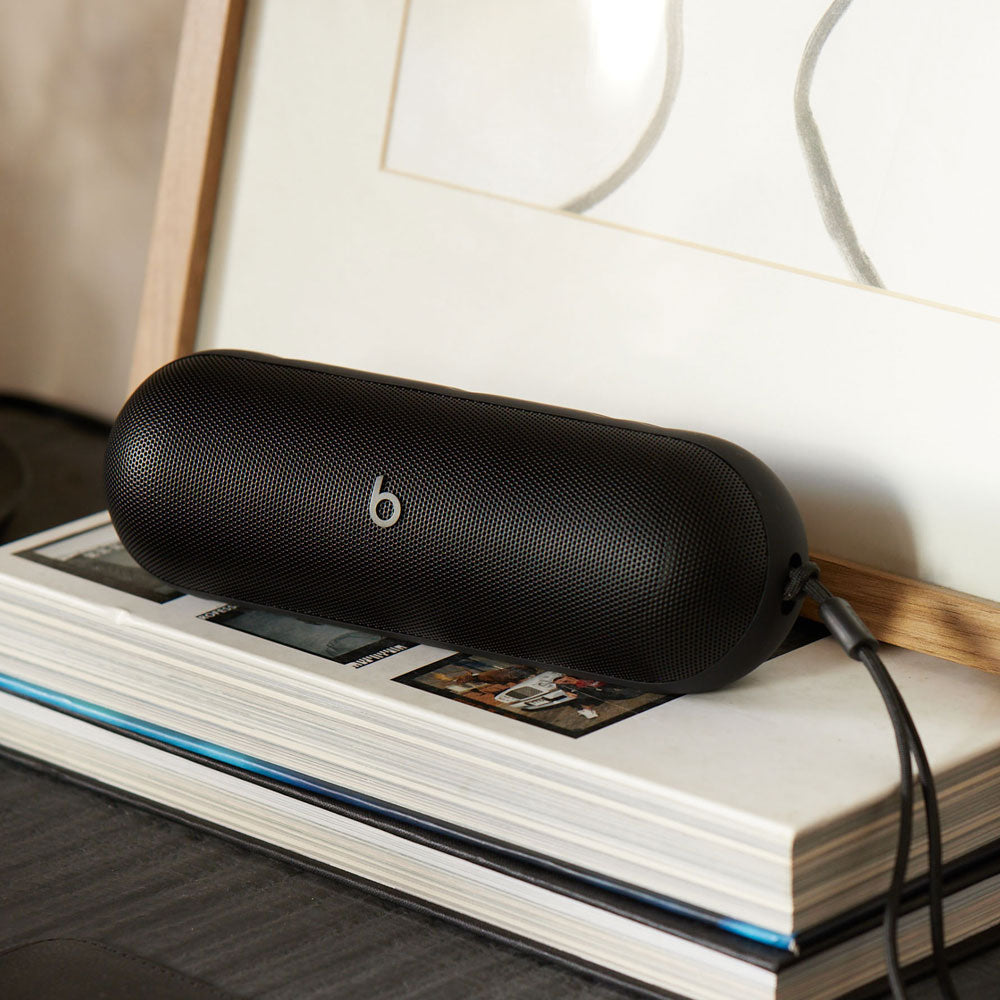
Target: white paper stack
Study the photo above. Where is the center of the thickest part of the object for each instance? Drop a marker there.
(713, 840)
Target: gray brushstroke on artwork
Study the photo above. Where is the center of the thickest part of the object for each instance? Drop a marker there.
(651, 135)
(831, 204)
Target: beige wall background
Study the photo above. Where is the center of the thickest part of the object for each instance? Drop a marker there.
(84, 95)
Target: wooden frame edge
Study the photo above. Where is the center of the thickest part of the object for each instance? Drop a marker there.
(189, 181)
(917, 615)
(898, 610)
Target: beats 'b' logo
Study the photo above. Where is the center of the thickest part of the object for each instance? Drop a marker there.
(378, 495)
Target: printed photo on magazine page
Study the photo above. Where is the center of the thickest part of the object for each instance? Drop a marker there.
(547, 698)
(97, 555)
(350, 646)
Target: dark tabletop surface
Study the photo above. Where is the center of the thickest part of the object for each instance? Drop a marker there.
(75, 863)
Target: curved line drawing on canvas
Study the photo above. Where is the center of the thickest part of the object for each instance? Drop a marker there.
(651, 135)
(828, 197)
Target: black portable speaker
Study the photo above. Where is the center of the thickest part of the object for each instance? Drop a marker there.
(598, 547)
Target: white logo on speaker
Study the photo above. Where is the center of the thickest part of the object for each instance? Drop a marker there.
(378, 495)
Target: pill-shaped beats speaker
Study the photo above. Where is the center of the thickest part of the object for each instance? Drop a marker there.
(598, 547)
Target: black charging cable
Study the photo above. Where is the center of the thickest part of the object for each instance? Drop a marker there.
(852, 634)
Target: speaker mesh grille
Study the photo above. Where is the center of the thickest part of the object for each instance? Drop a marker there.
(525, 534)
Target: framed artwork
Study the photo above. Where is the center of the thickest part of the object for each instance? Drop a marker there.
(774, 224)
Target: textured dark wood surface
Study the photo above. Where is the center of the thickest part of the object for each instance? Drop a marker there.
(75, 863)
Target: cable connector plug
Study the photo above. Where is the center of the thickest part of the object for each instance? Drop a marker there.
(838, 616)
(846, 627)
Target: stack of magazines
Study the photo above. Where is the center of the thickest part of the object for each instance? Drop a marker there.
(737, 843)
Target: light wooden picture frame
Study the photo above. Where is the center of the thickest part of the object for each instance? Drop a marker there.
(957, 626)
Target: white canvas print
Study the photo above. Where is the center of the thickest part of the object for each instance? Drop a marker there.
(391, 202)
(848, 140)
